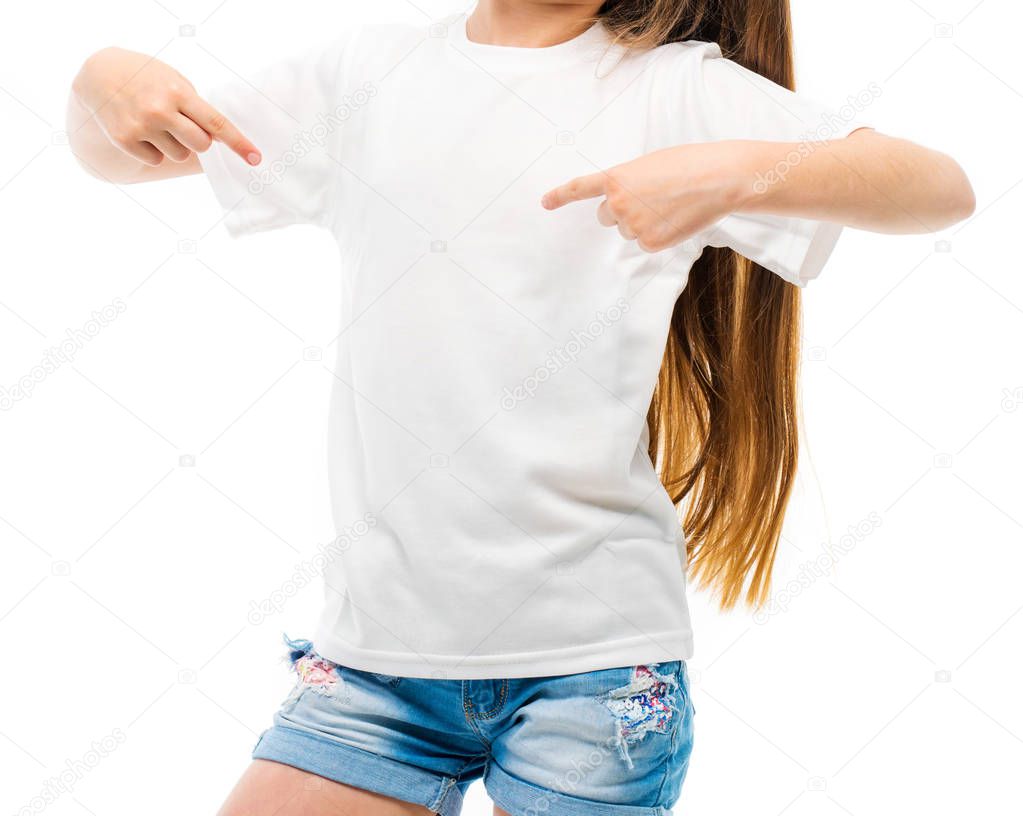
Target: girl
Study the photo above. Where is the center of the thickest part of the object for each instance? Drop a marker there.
(572, 238)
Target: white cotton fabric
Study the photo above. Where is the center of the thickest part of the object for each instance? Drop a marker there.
(498, 513)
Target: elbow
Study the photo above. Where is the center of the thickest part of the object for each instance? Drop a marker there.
(966, 200)
(957, 196)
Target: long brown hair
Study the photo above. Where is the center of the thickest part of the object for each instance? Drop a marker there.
(723, 420)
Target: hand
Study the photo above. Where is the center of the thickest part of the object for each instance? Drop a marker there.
(151, 112)
(663, 198)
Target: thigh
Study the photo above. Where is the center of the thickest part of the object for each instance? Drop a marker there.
(273, 789)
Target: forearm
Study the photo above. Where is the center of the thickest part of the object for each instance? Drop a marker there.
(866, 180)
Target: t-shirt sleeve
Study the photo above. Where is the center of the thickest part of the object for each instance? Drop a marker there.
(722, 100)
(293, 110)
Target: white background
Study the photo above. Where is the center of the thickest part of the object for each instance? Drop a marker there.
(887, 684)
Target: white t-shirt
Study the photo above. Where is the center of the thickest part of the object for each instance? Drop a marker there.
(498, 513)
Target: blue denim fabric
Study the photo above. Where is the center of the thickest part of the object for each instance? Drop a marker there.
(614, 742)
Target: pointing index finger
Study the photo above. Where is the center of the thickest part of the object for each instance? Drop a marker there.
(577, 189)
(222, 129)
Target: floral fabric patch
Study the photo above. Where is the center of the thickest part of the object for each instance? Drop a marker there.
(313, 671)
(644, 706)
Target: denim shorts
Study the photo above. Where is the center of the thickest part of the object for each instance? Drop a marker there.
(614, 742)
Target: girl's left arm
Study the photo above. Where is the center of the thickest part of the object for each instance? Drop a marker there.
(866, 180)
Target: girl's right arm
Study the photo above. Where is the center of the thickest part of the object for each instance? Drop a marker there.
(132, 118)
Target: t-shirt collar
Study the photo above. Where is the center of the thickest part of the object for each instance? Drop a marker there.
(589, 46)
